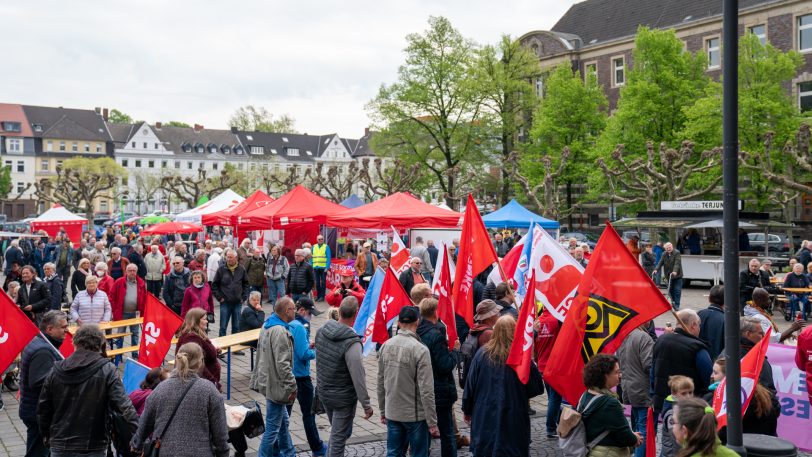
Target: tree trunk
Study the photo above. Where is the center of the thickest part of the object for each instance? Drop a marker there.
(450, 199)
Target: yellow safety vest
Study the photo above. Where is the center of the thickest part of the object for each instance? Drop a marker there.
(320, 256)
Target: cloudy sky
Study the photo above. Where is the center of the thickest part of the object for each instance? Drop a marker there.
(197, 61)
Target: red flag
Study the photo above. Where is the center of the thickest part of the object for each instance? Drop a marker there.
(66, 349)
(399, 255)
(521, 350)
(750, 369)
(442, 289)
(16, 330)
(509, 263)
(476, 254)
(614, 297)
(651, 435)
(160, 324)
(392, 298)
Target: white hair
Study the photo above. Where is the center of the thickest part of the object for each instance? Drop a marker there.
(101, 266)
(115, 250)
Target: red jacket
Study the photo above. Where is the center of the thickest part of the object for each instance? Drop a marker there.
(334, 299)
(120, 290)
(803, 356)
(106, 284)
(549, 327)
(197, 298)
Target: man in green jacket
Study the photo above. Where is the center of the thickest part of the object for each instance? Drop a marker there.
(273, 376)
(406, 389)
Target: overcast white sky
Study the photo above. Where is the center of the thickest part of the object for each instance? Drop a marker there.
(197, 61)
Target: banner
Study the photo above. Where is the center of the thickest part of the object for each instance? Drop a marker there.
(160, 324)
(337, 268)
(790, 382)
(521, 349)
(365, 320)
(391, 299)
(16, 331)
(751, 365)
(134, 374)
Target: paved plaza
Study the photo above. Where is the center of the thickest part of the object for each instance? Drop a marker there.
(368, 435)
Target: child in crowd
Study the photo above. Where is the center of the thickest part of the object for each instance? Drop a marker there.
(695, 428)
(681, 387)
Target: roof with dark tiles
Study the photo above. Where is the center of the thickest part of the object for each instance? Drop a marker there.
(176, 137)
(596, 21)
(67, 123)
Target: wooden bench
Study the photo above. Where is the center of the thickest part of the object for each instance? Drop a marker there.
(112, 353)
(113, 336)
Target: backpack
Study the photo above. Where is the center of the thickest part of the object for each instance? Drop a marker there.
(572, 433)
(467, 353)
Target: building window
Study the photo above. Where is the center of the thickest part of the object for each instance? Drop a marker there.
(618, 71)
(177, 164)
(760, 31)
(199, 149)
(49, 146)
(189, 165)
(145, 145)
(74, 147)
(44, 165)
(20, 166)
(591, 69)
(20, 187)
(9, 126)
(87, 147)
(805, 33)
(539, 87)
(125, 163)
(257, 150)
(133, 144)
(14, 145)
(61, 145)
(151, 164)
(164, 163)
(156, 145)
(212, 149)
(103, 206)
(714, 56)
(214, 165)
(98, 148)
(293, 152)
(805, 96)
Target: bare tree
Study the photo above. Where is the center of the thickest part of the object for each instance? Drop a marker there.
(550, 204)
(190, 189)
(79, 182)
(661, 175)
(379, 181)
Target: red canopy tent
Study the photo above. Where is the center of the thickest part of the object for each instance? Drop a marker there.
(297, 207)
(58, 218)
(228, 216)
(401, 210)
(170, 228)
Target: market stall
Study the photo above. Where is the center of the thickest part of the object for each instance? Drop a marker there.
(58, 218)
(228, 217)
(401, 210)
(225, 200)
(514, 215)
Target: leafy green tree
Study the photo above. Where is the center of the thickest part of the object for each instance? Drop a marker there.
(177, 124)
(571, 115)
(432, 114)
(5, 182)
(80, 182)
(118, 117)
(505, 73)
(251, 118)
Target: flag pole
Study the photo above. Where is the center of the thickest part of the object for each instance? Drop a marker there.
(679, 321)
(51, 344)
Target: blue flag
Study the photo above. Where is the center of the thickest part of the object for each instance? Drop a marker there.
(365, 320)
(523, 267)
(134, 373)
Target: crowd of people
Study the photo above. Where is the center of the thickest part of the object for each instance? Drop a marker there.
(77, 406)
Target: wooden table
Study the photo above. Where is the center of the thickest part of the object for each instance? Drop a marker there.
(113, 324)
(798, 290)
(717, 263)
(229, 341)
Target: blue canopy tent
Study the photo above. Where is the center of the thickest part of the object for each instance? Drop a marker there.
(353, 201)
(514, 215)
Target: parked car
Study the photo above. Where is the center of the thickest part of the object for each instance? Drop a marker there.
(777, 244)
(587, 238)
(644, 236)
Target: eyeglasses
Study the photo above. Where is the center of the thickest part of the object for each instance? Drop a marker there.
(418, 263)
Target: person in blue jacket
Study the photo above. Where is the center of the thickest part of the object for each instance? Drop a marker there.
(303, 353)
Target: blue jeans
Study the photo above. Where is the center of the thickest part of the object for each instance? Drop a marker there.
(276, 432)
(553, 409)
(399, 435)
(675, 291)
(793, 303)
(229, 310)
(445, 422)
(320, 275)
(276, 289)
(135, 338)
(304, 394)
(639, 418)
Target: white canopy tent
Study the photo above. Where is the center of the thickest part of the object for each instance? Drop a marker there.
(224, 201)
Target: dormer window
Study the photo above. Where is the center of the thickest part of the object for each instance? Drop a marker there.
(257, 150)
(225, 149)
(187, 147)
(238, 150)
(199, 148)
(10, 126)
(37, 127)
(293, 152)
(212, 148)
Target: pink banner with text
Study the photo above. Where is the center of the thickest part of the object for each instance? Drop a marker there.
(794, 423)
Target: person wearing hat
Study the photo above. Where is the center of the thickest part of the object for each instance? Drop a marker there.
(406, 388)
(365, 264)
(347, 287)
(303, 353)
(487, 313)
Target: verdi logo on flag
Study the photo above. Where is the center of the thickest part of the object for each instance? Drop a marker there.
(604, 318)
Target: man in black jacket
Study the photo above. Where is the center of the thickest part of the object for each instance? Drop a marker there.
(37, 361)
(136, 256)
(712, 328)
(175, 285)
(55, 286)
(751, 278)
(300, 277)
(79, 395)
(408, 278)
(230, 288)
(33, 297)
(443, 361)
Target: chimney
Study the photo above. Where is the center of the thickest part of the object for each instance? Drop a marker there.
(98, 110)
(233, 129)
(366, 131)
(105, 114)
(158, 125)
(198, 127)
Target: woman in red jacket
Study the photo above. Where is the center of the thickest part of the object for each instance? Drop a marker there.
(348, 286)
(193, 330)
(197, 295)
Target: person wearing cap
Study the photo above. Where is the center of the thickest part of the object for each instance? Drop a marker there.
(412, 276)
(347, 287)
(341, 378)
(365, 264)
(303, 353)
(406, 388)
